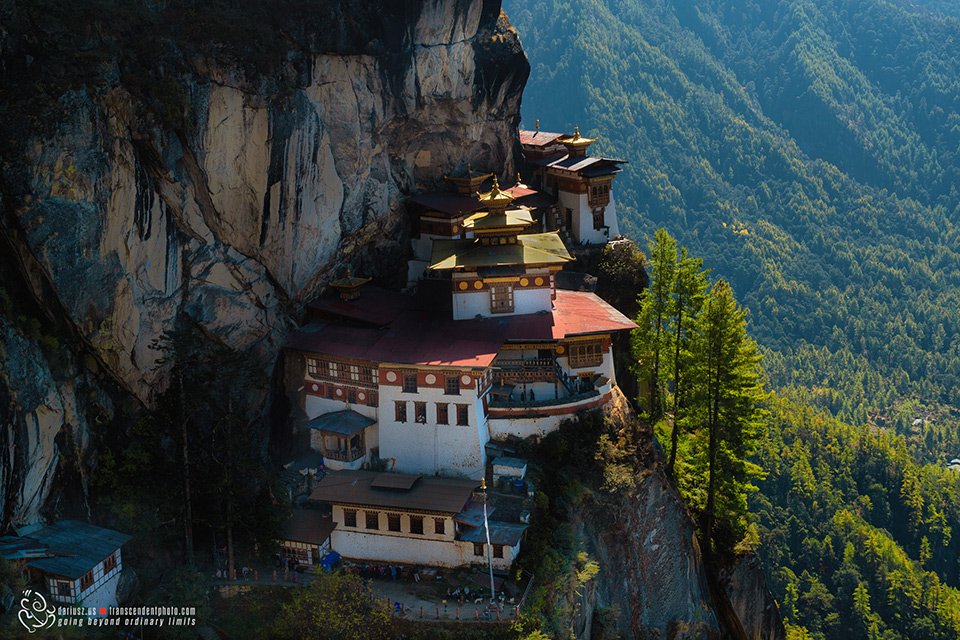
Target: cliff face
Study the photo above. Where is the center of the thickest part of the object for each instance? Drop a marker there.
(241, 207)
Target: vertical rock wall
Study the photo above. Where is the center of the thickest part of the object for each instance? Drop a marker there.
(272, 186)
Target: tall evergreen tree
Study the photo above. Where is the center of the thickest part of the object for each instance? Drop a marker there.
(729, 394)
(690, 285)
(652, 346)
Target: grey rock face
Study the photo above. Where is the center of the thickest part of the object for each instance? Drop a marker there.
(121, 226)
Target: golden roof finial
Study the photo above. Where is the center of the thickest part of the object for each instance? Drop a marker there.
(576, 131)
(537, 125)
(496, 186)
(348, 272)
(518, 177)
(483, 484)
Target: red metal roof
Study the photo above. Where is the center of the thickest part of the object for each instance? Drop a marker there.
(419, 337)
(449, 203)
(538, 138)
(375, 306)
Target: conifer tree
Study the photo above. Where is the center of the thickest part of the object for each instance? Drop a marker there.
(729, 397)
(652, 345)
(690, 285)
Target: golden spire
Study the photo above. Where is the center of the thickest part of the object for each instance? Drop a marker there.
(537, 125)
(576, 131)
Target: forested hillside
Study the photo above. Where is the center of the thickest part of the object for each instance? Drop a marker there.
(807, 151)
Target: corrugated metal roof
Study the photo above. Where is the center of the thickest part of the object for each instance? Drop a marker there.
(87, 545)
(538, 138)
(451, 204)
(534, 248)
(14, 548)
(345, 423)
(499, 219)
(440, 495)
(424, 339)
(508, 533)
(472, 515)
(308, 526)
(403, 481)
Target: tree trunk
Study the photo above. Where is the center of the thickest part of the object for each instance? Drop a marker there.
(188, 504)
(674, 434)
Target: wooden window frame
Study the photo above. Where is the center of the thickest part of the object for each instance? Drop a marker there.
(501, 298)
(400, 407)
(420, 412)
(416, 525)
(587, 354)
(371, 518)
(478, 549)
(498, 551)
(350, 518)
(409, 381)
(393, 519)
(440, 526)
(64, 589)
(451, 385)
(463, 415)
(86, 581)
(110, 563)
(443, 413)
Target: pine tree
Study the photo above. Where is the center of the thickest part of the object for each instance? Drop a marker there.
(652, 346)
(690, 285)
(729, 397)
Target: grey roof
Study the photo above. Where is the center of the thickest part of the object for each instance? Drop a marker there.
(438, 495)
(508, 533)
(14, 548)
(345, 423)
(507, 461)
(80, 547)
(472, 514)
(308, 526)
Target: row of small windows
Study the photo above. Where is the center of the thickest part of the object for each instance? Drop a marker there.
(442, 412)
(586, 355)
(478, 550)
(372, 522)
(341, 371)
(451, 385)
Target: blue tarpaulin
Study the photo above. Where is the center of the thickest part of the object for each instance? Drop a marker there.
(329, 560)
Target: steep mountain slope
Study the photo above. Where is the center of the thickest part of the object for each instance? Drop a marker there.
(806, 149)
(722, 115)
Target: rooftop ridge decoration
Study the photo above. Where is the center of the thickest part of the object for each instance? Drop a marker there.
(495, 198)
(576, 144)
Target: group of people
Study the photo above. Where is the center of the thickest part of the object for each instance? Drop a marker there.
(463, 595)
(380, 571)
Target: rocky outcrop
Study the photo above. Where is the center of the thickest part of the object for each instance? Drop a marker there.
(651, 566)
(263, 187)
(746, 588)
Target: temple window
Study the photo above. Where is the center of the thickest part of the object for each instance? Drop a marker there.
(350, 517)
(420, 411)
(586, 355)
(501, 298)
(409, 381)
(416, 525)
(443, 413)
(393, 521)
(373, 520)
(452, 386)
(401, 408)
(463, 414)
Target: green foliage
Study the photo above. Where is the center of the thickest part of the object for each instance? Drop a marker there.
(334, 607)
(847, 567)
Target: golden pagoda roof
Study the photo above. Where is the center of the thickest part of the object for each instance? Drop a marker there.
(490, 220)
(349, 282)
(534, 248)
(469, 177)
(495, 197)
(576, 140)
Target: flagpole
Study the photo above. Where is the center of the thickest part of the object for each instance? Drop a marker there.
(486, 527)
